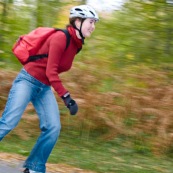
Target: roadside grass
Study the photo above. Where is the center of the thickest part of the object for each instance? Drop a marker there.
(115, 156)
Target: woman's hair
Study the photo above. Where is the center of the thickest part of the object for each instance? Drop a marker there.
(72, 21)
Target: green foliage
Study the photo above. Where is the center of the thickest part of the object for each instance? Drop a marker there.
(136, 34)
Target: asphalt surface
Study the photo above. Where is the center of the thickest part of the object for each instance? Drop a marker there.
(10, 167)
(12, 163)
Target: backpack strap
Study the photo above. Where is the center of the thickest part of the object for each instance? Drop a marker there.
(68, 38)
(65, 31)
(36, 57)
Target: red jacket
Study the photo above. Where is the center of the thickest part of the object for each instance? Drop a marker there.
(59, 60)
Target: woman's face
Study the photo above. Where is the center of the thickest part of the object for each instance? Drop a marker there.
(88, 27)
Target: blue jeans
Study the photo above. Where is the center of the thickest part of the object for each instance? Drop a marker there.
(27, 89)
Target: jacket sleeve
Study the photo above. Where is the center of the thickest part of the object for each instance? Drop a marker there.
(56, 49)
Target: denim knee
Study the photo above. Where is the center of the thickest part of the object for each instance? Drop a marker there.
(52, 130)
(55, 129)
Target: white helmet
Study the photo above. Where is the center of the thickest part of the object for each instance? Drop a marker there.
(84, 11)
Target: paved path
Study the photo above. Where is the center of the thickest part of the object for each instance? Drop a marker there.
(12, 163)
(10, 167)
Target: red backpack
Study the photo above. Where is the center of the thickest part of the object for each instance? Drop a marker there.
(27, 46)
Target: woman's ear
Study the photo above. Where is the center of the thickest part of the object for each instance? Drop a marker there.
(78, 23)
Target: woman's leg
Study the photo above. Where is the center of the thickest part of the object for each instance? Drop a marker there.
(47, 109)
(19, 97)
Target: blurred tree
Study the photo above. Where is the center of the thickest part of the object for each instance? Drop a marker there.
(4, 7)
(169, 11)
(43, 12)
(4, 4)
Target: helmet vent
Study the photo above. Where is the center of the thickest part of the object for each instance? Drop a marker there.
(78, 9)
(82, 14)
(92, 13)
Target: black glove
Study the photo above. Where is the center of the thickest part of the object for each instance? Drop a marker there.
(70, 103)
